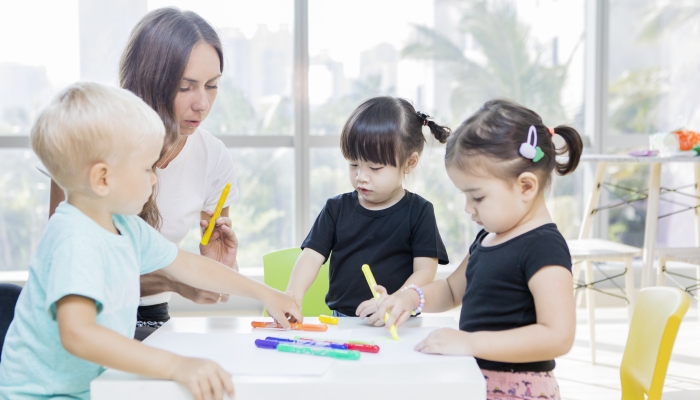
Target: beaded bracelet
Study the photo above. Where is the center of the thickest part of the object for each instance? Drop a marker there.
(418, 290)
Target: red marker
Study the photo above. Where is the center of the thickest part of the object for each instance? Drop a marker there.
(365, 348)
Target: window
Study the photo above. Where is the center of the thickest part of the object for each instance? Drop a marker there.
(652, 73)
(446, 57)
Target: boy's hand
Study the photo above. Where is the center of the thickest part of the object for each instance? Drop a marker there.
(283, 308)
(368, 309)
(203, 378)
(399, 305)
(446, 341)
(223, 244)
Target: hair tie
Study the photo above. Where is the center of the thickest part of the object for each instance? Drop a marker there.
(551, 131)
(423, 117)
(529, 150)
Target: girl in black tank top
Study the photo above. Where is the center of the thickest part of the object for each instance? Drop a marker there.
(515, 285)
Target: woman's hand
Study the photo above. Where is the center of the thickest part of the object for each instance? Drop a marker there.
(223, 243)
(399, 305)
(203, 378)
(446, 341)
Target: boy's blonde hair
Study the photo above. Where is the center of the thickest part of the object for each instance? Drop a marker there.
(89, 123)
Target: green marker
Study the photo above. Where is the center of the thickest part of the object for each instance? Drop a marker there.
(320, 351)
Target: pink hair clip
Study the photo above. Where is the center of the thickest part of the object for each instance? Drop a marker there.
(551, 131)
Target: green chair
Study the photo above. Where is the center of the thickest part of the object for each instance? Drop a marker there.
(277, 267)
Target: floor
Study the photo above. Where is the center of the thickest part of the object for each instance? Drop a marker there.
(580, 380)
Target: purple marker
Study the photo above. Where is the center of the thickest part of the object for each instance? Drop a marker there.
(266, 344)
(311, 343)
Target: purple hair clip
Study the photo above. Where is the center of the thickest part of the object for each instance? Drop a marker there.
(530, 149)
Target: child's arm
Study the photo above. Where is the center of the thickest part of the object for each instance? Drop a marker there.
(207, 274)
(83, 337)
(304, 273)
(424, 269)
(441, 295)
(551, 337)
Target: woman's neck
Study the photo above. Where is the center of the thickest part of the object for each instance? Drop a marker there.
(169, 156)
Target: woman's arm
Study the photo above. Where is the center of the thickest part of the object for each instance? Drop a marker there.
(159, 282)
(551, 337)
(304, 273)
(202, 272)
(84, 338)
(440, 296)
(424, 269)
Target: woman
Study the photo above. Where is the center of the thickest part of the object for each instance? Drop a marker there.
(173, 61)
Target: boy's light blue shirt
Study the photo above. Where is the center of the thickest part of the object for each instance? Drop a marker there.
(76, 256)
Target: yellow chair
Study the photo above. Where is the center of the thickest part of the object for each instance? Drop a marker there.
(277, 268)
(655, 322)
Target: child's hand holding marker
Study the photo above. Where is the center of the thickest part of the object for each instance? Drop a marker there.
(373, 285)
(399, 305)
(368, 309)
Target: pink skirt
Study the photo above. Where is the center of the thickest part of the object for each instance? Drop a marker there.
(520, 385)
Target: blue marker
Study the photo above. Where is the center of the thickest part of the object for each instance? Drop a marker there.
(337, 346)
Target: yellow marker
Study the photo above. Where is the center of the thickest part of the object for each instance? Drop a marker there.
(325, 319)
(372, 284)
(217, 214)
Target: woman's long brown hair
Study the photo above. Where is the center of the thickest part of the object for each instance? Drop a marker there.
(152, 67)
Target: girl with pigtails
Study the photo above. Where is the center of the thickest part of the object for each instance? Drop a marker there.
(514, 286)
(379, 223)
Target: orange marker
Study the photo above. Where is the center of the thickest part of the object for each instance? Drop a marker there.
(295, 326)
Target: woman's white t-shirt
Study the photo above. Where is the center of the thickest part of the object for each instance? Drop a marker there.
(191, 183)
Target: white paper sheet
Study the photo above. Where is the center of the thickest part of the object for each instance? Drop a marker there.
(237, 353)
(390, 351)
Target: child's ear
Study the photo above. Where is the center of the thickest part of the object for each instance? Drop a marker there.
(99, 179)
(528, 185)
(411, 163)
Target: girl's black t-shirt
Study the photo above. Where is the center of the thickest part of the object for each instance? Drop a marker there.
(387, 240)
(498, 297)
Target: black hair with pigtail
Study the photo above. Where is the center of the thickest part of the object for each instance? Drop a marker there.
(512, 139)
(387, 130)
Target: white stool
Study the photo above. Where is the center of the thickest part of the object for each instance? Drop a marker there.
(588, 251)
(690, 255)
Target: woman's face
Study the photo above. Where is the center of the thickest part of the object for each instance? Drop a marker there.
(198, 87)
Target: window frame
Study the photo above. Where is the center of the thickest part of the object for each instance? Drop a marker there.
(595, 104)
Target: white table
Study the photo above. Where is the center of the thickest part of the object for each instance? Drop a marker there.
(450, 378)
(654, 188)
